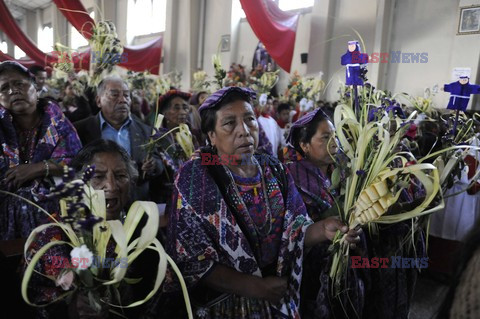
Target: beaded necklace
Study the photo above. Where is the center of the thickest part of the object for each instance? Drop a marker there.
(26, 142)
(268, 217)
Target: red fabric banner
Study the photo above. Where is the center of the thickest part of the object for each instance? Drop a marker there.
(10, 27)
(25, 63)
(275, 28)
(138, 58)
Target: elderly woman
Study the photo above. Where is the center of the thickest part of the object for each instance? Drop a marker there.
(239, 228)
(309, 160)
(36, 141)
(175, 108)
(115, 174)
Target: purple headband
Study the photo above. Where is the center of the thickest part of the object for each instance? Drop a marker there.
(12, 65)
(216, 98)
(303, 122)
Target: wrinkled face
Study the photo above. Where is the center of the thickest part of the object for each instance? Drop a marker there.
(41, 78)
(284, 115)
(322, 145)
(115, 101)
(236, 129)
(352, 47)
(202, 97)
(463, 81)
(177, 111)
(17, 93)
(111, 176)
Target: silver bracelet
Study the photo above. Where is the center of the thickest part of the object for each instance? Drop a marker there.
(47, 168)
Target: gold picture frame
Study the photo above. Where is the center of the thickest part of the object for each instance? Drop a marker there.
(469, 20)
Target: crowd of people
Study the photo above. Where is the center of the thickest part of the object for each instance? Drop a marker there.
(251, 238)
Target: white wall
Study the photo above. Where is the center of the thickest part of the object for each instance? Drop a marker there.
(430, 26)
(347, 19)
(218, 23)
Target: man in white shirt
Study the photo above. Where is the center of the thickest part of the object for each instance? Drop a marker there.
(271, 128)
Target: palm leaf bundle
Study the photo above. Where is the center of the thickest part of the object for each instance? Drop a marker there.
(377, 171)
(84, 225)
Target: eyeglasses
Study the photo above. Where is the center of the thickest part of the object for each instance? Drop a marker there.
(19, 85)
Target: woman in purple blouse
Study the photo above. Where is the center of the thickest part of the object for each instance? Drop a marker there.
(36, 141)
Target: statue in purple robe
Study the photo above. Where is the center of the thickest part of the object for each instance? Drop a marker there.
(354, 60)
(460, 93)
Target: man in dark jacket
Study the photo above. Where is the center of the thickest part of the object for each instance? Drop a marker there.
(114, 122)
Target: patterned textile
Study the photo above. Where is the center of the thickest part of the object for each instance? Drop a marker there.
(313, 185)
(56, 141)
(250, 190)
(304, 121)
(216, 98)
(205, 229)
(390, 290)
(317, 300)
(173, 157)
(42, 289)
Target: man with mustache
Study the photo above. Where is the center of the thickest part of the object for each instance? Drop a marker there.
(114, 122)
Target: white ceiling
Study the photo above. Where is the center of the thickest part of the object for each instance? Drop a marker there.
(17, 7)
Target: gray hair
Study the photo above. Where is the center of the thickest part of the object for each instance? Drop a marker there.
(86, 154)
(111, 78)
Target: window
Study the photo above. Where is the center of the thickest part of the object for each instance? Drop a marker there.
(76, 39)
(237, 10)
(4, 46)
(45, 38)
(287, 5)
(18, 53)
(145, 17)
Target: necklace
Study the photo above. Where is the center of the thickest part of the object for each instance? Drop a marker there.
(268, 217)
(27, 140)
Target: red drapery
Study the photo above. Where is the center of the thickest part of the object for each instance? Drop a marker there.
(6, 57)
(10, 27)
(139, 58)
(275, 28)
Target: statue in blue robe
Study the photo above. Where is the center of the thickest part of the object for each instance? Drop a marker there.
(354, 60)
(460, 93)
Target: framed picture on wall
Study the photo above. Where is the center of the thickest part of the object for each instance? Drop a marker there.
(225, 44)
(469, 20)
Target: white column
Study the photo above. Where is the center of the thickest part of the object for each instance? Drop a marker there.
(383, 26)
(321, 25)
(60, 27)
(32, 25)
